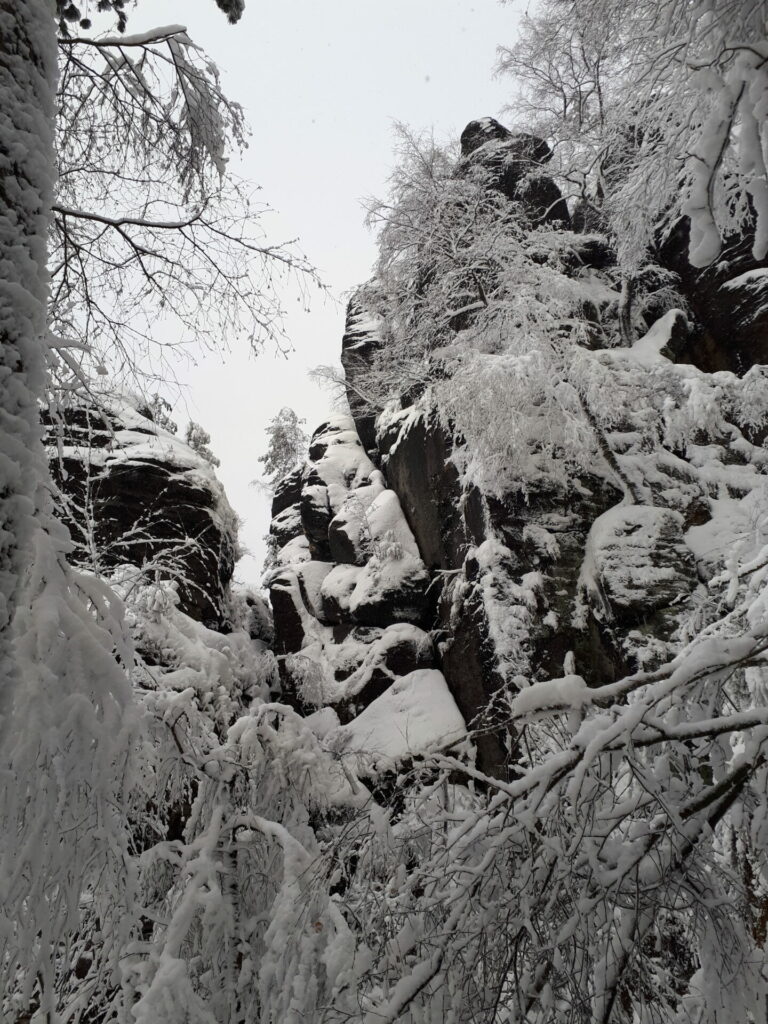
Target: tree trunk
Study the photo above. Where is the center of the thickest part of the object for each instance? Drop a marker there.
(27, 176)
(625, 311)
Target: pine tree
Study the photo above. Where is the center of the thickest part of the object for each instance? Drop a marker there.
(286, 446)
(199, 440)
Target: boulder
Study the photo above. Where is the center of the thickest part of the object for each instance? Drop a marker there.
(638, 563)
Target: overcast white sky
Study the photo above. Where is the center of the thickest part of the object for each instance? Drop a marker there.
(322, 84)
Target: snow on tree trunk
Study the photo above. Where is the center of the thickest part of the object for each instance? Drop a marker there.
(65, 737)
(27, 176)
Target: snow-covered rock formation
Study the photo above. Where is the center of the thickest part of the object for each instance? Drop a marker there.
(349, 590)
(132, 492)
(520, 594)
(583, 551)
(501, 757)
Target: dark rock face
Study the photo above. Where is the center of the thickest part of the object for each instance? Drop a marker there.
(286, 525)
(362, 337)
(133, 493)
(288, 611)
(469, 666)
(547, 531)
(477, 133)
(417, 465)
(729, 299)
(528, 149)
(512, 162)
(544, 534)
(287, 492)
(316, 515)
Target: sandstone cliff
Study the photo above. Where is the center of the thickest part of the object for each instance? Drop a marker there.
(406, 544)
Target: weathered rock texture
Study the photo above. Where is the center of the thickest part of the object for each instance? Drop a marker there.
(362, 337)
(349, 578)
(729, 300)
(130, 492)
(513, 162)
(391, 561)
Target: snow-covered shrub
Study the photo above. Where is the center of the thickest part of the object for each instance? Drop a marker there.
(192, 686)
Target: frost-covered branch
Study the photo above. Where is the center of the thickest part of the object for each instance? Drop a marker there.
(149, 222)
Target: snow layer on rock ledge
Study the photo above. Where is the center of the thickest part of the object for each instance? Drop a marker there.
(136, 440)
(354, 590)
(372, 520)
(295, 551)
(388, 525)
(344, 464)
(415, 715)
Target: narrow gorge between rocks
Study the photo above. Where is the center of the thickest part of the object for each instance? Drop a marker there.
(471, 758)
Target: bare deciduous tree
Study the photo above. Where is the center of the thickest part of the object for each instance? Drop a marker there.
(151, 233)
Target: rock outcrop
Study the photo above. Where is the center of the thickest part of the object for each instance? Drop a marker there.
(133, 493)
(395, 561)
(513, 163)
(362, 338)
(351, 583)
(729, 300)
